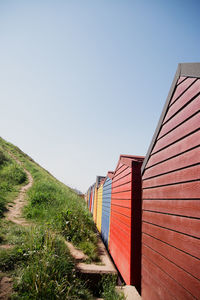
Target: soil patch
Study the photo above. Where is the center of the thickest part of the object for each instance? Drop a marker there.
(5, 288)
(7, 246)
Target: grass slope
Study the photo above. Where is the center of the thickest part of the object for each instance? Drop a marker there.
(40, 262)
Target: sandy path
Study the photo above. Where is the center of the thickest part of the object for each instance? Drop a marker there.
(14, 215)
(14, 211)
(5, 288)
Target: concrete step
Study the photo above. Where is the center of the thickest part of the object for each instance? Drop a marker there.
(129, 292)
(105, 266)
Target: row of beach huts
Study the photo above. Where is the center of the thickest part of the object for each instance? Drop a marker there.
(148, 209)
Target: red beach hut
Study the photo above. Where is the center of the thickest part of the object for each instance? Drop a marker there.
(171, 195)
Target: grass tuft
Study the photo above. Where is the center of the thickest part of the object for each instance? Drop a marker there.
(108, 284)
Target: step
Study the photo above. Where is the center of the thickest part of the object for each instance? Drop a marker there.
(129, 292)
(106, 266)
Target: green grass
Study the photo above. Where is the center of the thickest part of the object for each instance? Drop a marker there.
(108, 283)
(41, 265)
(40, 262)
(51, 202)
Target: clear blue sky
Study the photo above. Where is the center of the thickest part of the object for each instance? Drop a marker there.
(83, 81)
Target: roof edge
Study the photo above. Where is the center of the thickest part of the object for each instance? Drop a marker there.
(190, 69)
(128, 159)
(110, 174)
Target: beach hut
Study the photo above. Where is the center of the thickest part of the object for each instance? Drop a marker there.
(171, 195)
(125, 218)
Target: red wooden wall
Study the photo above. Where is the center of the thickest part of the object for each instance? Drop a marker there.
(171, 194)
(125, 218)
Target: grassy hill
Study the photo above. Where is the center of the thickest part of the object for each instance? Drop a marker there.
(39, 261)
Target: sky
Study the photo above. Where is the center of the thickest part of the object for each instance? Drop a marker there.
(83, 81)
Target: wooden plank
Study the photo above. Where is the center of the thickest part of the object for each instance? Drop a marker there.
(123, 265)
(181, 224)
(119, 166)
(122, 188)
(155, 284)
(116, 243)
(122, 210)
(107, 184)
(124, 173)
(184, 99)
(120, 249)
(121, 218)
(192, 108)
(122, 245)
(188, 174)
(124, 232)
(183, 145)
(185, 129)
(181, 241)
(189, 208)
(191, 284)
(120, 170)
(119, 255)
(179, 258)
(176, 191)
(114, 221)
(181, 79)
(125, 203)
(180, 89)
(162, 281)
(122, 195)
(107, 196)
(184, 160)
(149, 291)
(119, 233)
(122, 180)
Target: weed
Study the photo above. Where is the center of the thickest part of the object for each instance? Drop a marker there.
(108, 283)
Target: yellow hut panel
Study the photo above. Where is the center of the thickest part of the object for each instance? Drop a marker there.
(99, 207)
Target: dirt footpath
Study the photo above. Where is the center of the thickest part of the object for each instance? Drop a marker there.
(14, 212)
(14, 215)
